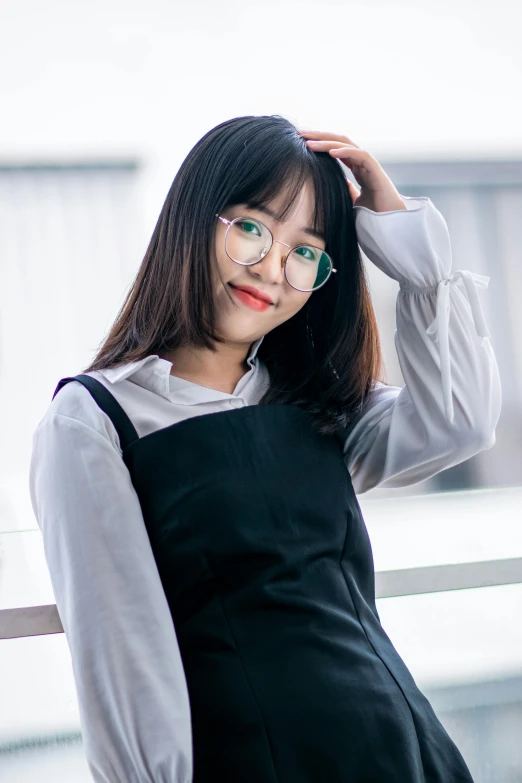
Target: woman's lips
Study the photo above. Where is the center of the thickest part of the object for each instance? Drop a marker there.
(251, 301)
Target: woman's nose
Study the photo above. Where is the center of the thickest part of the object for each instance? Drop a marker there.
(271, 267)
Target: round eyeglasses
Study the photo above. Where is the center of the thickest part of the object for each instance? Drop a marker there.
(247, 242)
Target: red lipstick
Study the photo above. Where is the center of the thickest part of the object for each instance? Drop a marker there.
(252, 297)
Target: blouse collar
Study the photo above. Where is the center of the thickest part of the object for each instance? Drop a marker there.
(153, 372)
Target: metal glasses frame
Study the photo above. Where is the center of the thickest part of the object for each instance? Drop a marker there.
(230, 223)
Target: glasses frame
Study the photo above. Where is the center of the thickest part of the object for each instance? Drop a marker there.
(230, 223)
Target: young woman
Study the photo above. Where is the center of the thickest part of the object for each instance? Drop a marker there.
(196, 484)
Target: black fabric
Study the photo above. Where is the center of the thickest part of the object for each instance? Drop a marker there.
(109, 405)
(268, 570)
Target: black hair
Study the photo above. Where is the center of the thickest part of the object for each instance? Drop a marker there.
(325, 357)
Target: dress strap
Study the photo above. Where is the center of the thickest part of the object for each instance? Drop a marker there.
(124, 427)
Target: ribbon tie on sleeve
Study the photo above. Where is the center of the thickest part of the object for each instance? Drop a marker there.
(439, 328)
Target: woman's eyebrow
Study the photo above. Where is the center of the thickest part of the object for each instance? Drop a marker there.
(270, 213)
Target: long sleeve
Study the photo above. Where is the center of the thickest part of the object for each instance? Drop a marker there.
(448, 408)
(130, 682)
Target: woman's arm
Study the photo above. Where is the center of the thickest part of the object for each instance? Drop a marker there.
(450, 404)
(129, 677)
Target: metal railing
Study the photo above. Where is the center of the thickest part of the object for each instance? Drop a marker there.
(43, 620)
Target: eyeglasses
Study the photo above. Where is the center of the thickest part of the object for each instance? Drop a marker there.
(248, 241)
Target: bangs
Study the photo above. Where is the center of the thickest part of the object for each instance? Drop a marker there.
(286, 166)
(290, 179)
(327, 355)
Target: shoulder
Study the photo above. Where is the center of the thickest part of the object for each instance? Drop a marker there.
(380, 396)
(76, 409)
(377, 406)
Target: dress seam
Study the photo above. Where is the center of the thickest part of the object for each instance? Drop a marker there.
(375, 651)
(247, 679)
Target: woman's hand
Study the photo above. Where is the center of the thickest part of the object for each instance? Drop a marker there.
(378, 192)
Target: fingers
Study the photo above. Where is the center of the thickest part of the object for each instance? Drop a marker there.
(336, 148)
(347, 153)
(317, 135)
(326, 146)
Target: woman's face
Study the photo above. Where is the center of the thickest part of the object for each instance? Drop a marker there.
(243, 320)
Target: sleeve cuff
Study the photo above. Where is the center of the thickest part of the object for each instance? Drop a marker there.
(409, 245)
(412, 204)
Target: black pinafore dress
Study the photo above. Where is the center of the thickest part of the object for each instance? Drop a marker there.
(268, 570)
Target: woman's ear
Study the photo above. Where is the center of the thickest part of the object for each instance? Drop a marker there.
(354, 193)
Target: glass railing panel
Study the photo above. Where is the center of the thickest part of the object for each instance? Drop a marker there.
(444, 527)
(464, 650)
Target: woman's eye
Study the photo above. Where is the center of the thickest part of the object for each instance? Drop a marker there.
(307, 252)
(249, 227)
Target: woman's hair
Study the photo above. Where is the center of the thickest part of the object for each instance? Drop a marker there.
(326, 357)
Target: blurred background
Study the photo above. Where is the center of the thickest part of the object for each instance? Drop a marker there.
(101, 102)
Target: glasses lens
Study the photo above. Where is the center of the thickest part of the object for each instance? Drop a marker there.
(308, 267)
(248, 241)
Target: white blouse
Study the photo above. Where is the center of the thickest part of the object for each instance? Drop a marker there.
(131, 687)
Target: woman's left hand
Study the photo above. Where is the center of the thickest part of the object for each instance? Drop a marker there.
(378, 192)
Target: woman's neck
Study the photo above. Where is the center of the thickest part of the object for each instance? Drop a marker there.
(221, 369)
